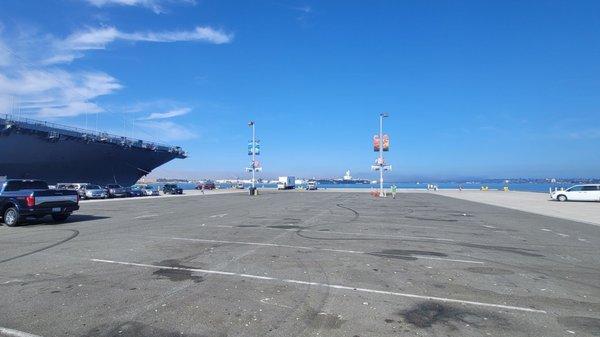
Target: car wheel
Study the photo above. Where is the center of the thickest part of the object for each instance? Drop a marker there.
(561, 197)
(60, 217)
(11, 217)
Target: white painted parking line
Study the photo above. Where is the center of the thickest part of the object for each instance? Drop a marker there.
(218, 215)
(332, 286)
(343, 233)
(15, 333)
(325, 249)
(553, 232)
(146, 216)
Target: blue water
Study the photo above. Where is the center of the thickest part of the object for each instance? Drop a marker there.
(529, 187)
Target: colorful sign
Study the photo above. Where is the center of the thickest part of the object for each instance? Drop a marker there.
(256, 148)
(386, 143)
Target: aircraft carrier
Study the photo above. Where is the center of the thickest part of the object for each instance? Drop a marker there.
(56, 153)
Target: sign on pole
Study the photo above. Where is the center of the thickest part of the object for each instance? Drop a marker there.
(256, 148)
(386, 143)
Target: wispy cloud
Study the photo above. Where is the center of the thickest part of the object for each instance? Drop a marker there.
(167, 130)
(30, 77)
(155, 5)
(98, 38)
(585, 134)
(56, 93)
(304, 9)
(168, 114)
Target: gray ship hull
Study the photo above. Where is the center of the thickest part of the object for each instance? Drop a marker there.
(61, 155)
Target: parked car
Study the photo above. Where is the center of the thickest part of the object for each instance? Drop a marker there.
(20, 199)
(172, 189)
(208, 185)
(147, 190)
(134, 191)
(79, 187)
(91, 191)
(116, 191)
(587, 192)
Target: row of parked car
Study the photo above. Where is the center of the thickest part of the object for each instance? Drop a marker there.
(93, 191)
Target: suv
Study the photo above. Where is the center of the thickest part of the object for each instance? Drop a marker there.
(207, 185)
(587, 192)
(20, 198)
(172, 189)
(116, 191)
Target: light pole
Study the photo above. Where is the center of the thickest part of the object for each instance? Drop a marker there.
(253, 165)
(381, 162)
(380, 147)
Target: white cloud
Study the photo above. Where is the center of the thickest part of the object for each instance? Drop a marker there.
(56, 93)
(31, 81)
(154, 5)
(167, 130)
(168, 114)
(5, 57)
(98, 38)
(70, 48)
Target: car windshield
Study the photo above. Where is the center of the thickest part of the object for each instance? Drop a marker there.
(93, 187)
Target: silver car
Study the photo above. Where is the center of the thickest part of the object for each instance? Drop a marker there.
(147, 190)
(116, 191)
(94, 192)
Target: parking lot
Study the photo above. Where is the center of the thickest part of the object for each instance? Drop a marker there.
(301, 264)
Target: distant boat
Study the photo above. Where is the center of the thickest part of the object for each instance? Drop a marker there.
(346, 179)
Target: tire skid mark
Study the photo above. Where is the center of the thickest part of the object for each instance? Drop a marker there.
(74, 231)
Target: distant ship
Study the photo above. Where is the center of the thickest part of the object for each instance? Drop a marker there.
(61, 154)
(347, 179)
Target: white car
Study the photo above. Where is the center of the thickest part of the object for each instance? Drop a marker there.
(588, 192)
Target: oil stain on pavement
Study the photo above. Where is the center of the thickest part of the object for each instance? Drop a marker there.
(176, 275)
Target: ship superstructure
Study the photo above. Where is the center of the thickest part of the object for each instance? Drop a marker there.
(57, 153)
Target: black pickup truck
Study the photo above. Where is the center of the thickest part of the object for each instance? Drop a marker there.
(20, 199)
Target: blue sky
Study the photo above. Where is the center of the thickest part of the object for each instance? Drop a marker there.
(473, 88)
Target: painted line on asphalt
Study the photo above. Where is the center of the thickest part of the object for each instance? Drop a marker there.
(146, 216)
(15, 333)
(326, 285)
(344, 233)
(218, 215)
(553, 232)
(326, 249)
(146, 198)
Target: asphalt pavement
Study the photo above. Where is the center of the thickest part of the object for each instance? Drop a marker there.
(300, 264)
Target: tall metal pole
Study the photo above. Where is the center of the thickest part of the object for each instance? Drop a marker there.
(253, 153)
(381, 194)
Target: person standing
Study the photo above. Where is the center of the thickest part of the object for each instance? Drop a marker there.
(394, 191)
